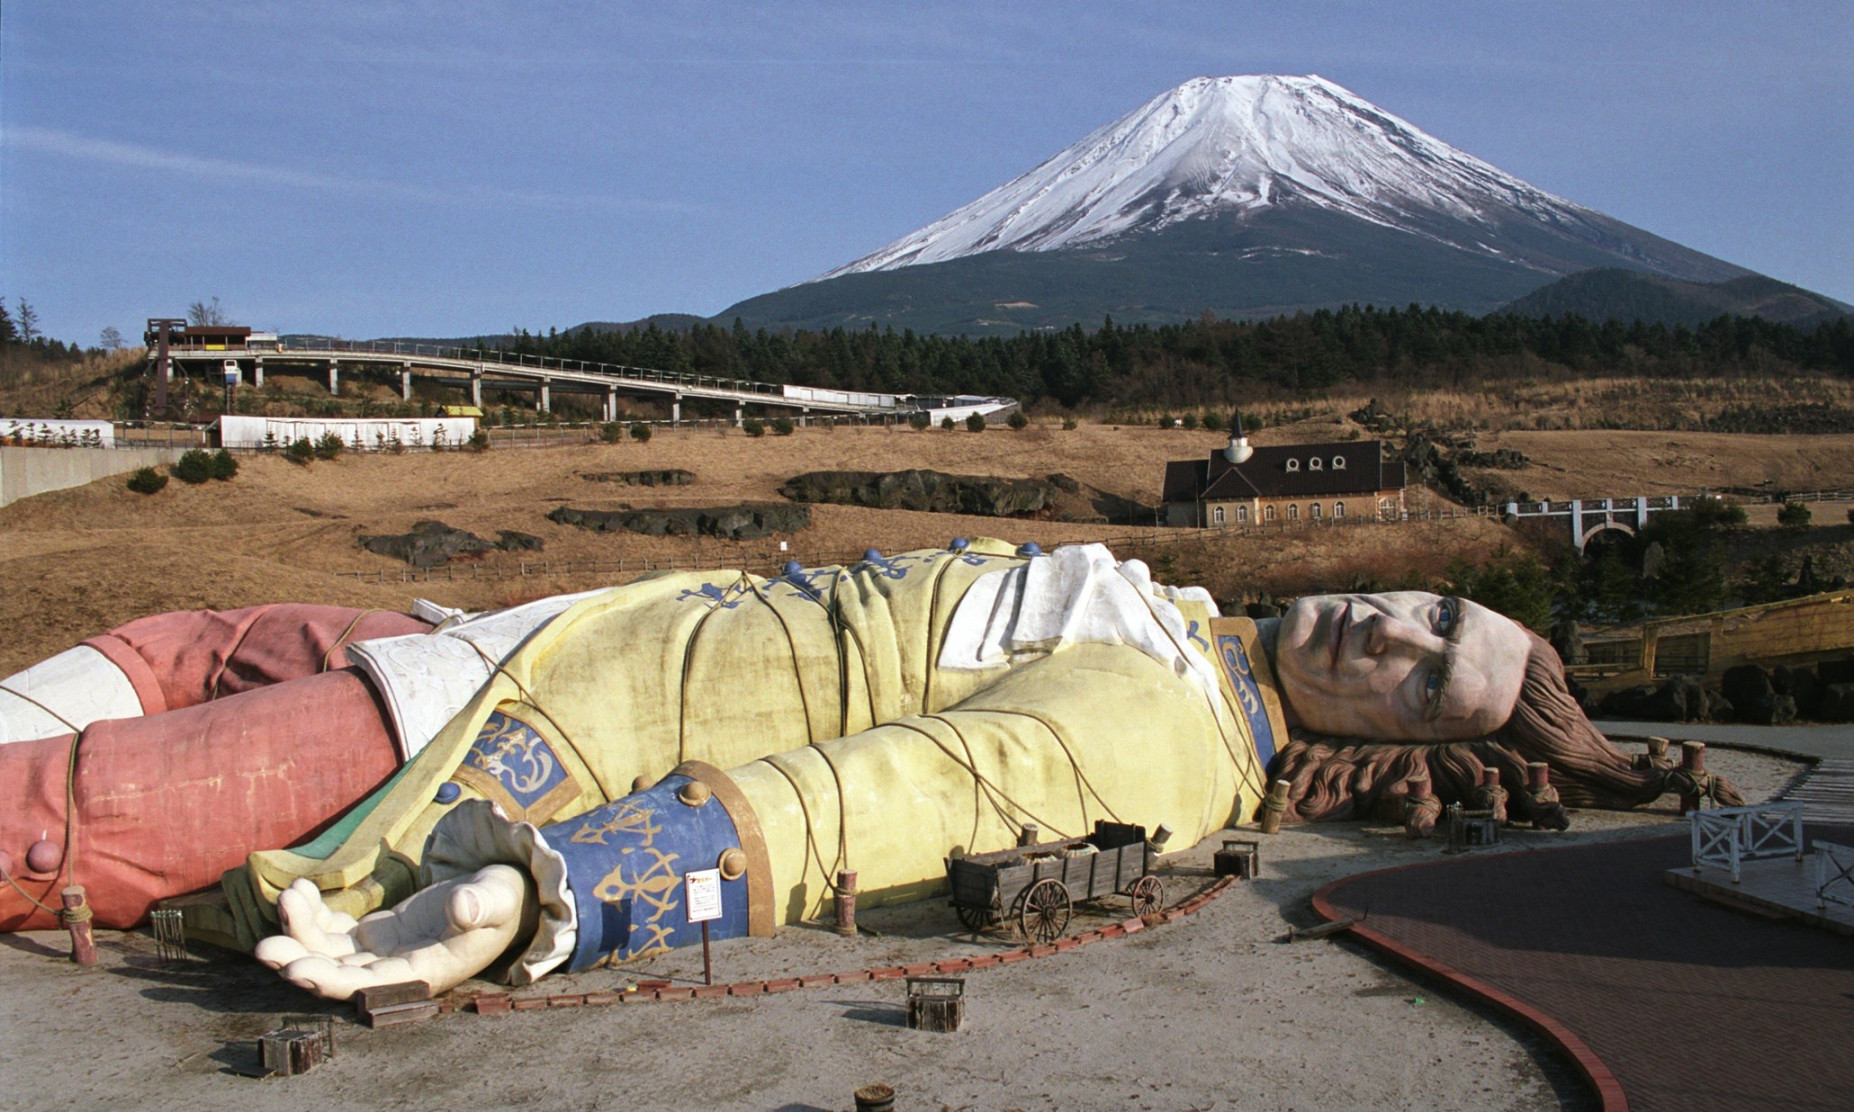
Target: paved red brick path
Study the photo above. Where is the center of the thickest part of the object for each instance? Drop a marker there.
(1691, 1006)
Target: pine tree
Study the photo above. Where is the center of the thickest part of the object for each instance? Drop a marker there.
(28, 322)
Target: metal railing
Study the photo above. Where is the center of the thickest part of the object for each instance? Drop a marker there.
(1729, 836)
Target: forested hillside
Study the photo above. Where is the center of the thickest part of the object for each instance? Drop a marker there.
(1218, 362)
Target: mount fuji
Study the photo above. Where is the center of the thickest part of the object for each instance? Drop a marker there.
(1237, 196)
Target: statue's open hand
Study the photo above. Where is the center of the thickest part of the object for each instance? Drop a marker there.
(442, 935)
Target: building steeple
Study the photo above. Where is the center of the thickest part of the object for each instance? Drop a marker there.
(1239, 450)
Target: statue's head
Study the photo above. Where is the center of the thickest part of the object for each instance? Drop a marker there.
(1401, 666)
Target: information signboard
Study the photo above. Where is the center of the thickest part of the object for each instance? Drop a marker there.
(703, 891)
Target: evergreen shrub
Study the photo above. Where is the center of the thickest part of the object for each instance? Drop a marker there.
(194, 468)
(146, 480)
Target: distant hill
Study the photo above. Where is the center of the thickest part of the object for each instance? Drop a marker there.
(666, 322)
(1627, 295)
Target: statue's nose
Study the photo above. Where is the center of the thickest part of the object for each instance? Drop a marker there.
(1387, 633)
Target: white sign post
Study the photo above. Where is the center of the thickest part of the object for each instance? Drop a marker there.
(702, 897)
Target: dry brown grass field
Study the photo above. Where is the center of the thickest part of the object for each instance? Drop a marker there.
(1547, 400)
(79, 561)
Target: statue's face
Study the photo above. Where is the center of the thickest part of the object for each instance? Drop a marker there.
(1403, 666)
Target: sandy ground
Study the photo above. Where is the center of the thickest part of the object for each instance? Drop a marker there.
(1214, 1012)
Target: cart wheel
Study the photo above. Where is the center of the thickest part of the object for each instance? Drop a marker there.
(1147, 894)
(976, 919)
(1043, 911)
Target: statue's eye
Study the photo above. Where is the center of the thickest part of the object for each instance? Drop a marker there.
(1448, 612)
(1432, 687)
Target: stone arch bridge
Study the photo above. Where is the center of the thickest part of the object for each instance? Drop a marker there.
(1586, 517)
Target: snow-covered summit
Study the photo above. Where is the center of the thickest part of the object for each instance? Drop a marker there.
(1235, 144)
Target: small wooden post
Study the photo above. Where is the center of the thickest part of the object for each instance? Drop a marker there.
(1490, 796)
(77, 922)
(1029, 834)
(936, 1003)
(290, 1051)
(846, 902)
(1696, 782)
(1274, 807)
(1421, 808)
(875, 1098)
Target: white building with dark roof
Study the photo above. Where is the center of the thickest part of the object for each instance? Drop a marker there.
(1243, 485)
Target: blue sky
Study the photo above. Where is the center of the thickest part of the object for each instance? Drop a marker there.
(452, 168)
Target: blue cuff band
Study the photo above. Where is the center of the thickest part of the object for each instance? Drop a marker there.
(625, 867)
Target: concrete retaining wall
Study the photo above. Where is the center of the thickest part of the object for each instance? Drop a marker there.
(25, 472)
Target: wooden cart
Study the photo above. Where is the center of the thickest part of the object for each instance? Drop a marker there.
(1037, 886)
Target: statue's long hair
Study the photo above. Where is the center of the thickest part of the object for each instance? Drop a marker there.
(1341, 778)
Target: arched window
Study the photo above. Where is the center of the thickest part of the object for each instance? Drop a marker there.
(1268, 512)
(1293, 511)
(1338, 509)
(1313, 511)
(1293, 465)
(1242, 513)
(1216, 515)
(1338, 463)
(1313, 464)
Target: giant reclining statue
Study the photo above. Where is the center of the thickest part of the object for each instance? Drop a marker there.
(526, 789)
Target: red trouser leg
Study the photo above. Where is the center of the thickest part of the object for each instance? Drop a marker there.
(190, 657)
(166, 803)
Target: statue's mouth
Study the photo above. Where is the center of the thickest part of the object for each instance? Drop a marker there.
(1340, 626)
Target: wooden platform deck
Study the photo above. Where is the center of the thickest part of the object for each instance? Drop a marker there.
(1782, 888)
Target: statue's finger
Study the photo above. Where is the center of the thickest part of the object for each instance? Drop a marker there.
(324, 978)
(491, 898)
(279, 950)
(296, 910)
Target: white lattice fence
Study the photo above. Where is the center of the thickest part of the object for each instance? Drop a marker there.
(1834, 874)
(1727, 837)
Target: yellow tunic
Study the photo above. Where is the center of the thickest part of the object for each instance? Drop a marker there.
(824, 699)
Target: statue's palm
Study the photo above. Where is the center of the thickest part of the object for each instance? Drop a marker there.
(442, 935)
